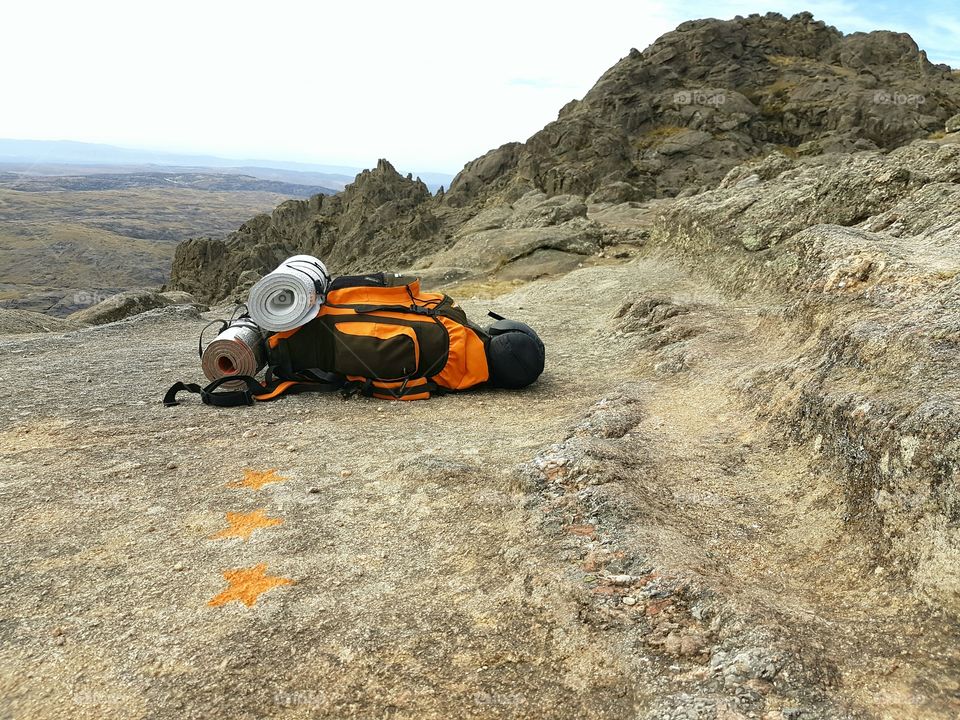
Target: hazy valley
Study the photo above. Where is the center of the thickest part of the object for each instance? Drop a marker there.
(67, 241)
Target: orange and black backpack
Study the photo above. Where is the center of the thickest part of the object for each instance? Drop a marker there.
(380, 335)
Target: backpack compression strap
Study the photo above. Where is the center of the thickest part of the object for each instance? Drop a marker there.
(411, 389)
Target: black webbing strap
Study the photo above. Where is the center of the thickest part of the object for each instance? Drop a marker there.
(401, 392)
(229, 398)
(357, 387)
(309, 375)
(309, 381)
(368, 388)
(170, 399)
(319, 284)
(223, 326)
(361, 309)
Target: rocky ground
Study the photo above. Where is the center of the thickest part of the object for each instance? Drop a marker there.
(631, 537)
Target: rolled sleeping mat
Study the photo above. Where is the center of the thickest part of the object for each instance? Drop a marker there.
(238, 350)
(291, 295)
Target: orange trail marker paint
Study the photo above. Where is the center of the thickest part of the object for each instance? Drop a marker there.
(246, 584)
(243, 525)
(256, 479)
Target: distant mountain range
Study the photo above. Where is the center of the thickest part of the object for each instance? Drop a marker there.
(131, 180)
(67, 157)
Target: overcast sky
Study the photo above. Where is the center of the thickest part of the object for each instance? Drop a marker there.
(428, 85)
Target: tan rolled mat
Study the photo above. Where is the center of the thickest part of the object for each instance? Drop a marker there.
(238, 350)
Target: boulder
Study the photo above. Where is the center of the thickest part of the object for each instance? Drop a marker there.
(616, 192)
(542, 262)
(179, 297)
(479, 174)
(14, 322)
(120, 306)
(491, 250)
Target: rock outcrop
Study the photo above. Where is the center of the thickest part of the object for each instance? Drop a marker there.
(382, 218)
(535, 235)
(712, 93)
(859, 253)
(671, 120)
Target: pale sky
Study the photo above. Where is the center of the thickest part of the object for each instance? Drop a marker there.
(428, 85)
